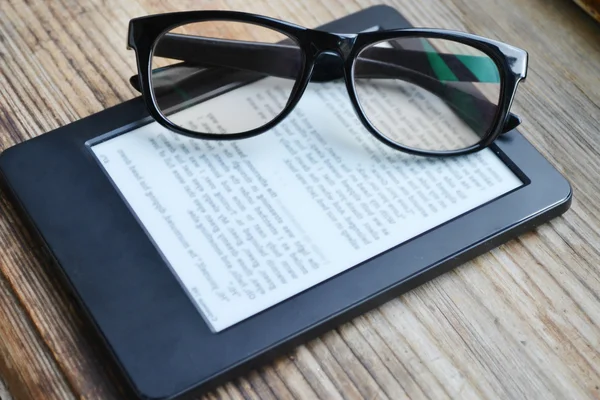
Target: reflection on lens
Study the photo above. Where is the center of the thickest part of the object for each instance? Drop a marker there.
(223, 77)
(428, 94)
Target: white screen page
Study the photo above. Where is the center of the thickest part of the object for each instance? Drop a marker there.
(247, 224)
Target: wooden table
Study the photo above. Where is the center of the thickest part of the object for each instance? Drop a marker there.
(522, 321)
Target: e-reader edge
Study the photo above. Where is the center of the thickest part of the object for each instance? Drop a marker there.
(31, 168)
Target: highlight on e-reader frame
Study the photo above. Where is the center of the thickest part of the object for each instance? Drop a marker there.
(272, 182)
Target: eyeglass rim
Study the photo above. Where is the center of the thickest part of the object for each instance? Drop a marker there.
(144, 33)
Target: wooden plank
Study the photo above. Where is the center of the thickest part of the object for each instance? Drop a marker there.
(520, 322)
(24, 357)
(592, 7)
(4, 393)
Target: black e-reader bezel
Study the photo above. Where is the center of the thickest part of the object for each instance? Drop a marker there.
(149, 325)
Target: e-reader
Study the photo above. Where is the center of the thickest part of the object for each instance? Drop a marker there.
(197, 260)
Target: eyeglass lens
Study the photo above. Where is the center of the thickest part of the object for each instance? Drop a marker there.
(444, 94)
(199, 61)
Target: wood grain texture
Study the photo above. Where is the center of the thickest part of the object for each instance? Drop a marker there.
(592, 7)
(4, 393)
(522, 321)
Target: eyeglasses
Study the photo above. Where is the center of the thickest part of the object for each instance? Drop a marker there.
(406, 85)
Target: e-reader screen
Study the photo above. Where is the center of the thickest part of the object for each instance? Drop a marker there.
(247, 224)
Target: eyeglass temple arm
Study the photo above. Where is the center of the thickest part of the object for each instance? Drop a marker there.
(280, 60)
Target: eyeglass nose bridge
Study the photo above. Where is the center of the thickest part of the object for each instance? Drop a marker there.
(327, 42)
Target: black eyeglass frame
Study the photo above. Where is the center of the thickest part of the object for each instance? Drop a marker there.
(145, 32)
